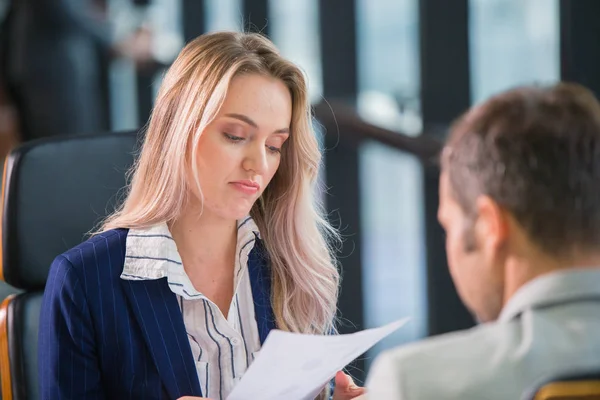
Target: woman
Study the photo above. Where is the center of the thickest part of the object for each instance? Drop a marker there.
(217, 242)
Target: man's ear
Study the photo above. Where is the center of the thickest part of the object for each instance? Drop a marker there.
(492, 223)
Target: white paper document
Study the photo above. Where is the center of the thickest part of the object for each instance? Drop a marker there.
(297, 367)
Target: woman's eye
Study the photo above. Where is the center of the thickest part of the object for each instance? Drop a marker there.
(233, 138)
(274, 149)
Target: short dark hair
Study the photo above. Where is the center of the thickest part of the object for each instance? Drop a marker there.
(536, 152)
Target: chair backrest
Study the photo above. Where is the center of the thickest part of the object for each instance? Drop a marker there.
(582, 386)
(54, 192)
(570, 390)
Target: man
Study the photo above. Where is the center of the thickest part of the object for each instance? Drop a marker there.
(54, 68)
(520, 204)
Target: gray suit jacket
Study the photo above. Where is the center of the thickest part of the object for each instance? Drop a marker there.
(549, 328)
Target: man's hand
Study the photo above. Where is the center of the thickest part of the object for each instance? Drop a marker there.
(345, 388)
(137, 47)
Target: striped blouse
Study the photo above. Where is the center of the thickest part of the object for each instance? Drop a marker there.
(223, 348)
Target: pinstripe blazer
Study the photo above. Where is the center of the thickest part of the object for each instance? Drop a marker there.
(102, 337)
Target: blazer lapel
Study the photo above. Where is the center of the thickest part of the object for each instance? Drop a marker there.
(157, 312)
(260, 281)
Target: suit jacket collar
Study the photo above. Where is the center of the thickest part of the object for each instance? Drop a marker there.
(159, 317)
(554, 289)
(260, 280)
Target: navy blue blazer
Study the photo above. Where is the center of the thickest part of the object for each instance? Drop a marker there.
(102, 337)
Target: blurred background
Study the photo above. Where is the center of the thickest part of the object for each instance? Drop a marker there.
(386, 79)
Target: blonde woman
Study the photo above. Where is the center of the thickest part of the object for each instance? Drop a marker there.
(218, 241)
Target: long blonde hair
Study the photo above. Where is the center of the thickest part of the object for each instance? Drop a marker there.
(297, 237)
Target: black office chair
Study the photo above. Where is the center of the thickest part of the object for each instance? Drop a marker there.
(55, 191)
(5, 291)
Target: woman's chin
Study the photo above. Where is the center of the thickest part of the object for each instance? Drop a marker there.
(236, 213)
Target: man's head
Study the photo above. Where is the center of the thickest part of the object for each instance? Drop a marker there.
(520, 179)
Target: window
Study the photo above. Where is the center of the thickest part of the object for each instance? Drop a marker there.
(223, 15)
(164, 19)
(393, 241)
(393, 238)
(393, 244)
(294, 28)
(512, 42)
(388, 63)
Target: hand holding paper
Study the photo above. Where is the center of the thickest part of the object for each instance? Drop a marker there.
(345, 388)
(296, 366)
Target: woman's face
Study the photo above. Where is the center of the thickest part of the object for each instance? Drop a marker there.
(240, 151)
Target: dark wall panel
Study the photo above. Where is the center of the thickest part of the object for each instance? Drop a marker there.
(580, 39)
(445, 94)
